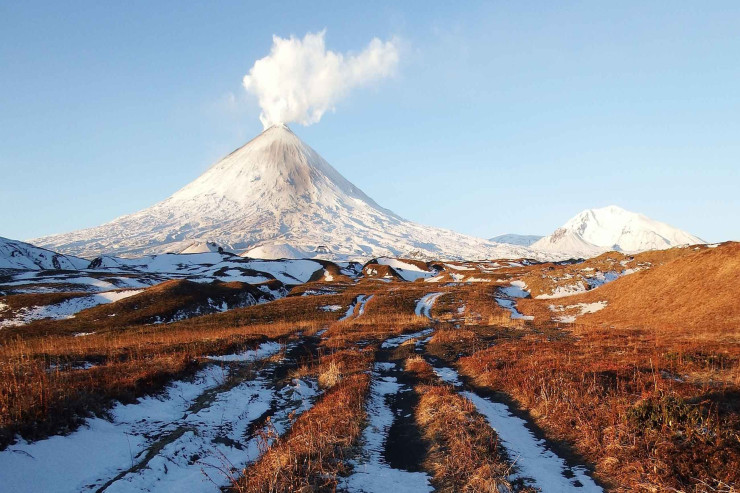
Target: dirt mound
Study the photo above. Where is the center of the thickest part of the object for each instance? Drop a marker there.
(374, 270)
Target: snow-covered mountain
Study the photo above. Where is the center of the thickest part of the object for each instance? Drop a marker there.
(19, 255)
(595, 231)
(274, 195)
(515, 239)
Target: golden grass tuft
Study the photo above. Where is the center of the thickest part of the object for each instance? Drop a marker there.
(464, 453)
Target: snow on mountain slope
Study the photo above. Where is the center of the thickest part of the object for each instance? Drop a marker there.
(515, 239)
(201, 247)
(19, 255)
(275, 190)
(213, 265)
(595, 231)
(277, 251)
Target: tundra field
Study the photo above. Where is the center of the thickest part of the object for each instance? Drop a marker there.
(617, 373)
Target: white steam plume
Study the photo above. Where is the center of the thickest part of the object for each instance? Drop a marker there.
(300, 80)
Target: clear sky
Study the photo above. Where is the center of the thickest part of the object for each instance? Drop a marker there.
(502, 117)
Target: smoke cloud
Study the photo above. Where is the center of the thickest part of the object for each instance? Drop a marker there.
(300, 79)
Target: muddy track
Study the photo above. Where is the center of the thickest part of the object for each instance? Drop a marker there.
(538, 462)
(425, 304)
(393, 450)
(357, 308)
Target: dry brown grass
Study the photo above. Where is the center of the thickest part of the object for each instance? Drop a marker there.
(545, 278)
(311, 456)
(464, 454)
(131, 361)
(417, 366)
(390, 312)
(652, 415)
(334, 367)
(697, 292)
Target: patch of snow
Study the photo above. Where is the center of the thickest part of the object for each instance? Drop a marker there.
(102, 448)
(196, 439)
(65, 309)
(582, 308)
(434, 279)
(398, 340)
(511, 306)
(563, 291)
(278, 251)
(407, 271)
(424, 305)
(265, 350)
(601, 278)
(363, 301)
(359, 300)
(330, 308)
(476, 279)
(517, 289)
(19, 255)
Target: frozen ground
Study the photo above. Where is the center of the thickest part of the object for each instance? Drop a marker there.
(190, 438)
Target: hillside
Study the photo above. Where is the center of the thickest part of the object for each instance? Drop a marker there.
(693, 293)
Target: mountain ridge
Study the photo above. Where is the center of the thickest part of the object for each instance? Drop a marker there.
(15, 254)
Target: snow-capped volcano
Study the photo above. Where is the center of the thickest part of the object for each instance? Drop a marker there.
(274, 194)
(595, 231)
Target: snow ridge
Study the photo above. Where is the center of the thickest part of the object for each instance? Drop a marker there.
(19, 255)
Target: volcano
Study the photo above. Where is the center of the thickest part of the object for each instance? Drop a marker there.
(274, 197)
(595, 231)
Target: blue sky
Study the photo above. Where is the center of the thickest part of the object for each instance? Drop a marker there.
(502, 117)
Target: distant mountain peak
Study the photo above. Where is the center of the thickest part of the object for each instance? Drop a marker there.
(594, 231)
(515, 239)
